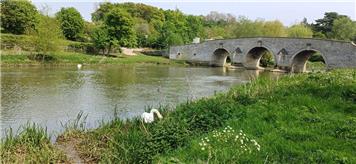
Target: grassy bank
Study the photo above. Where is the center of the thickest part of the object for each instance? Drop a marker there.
(302, 118)
(76, 58)
(32, 145)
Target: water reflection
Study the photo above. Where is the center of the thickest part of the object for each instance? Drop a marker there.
(50, 95)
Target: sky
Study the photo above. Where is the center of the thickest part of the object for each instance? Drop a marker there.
(287, 11)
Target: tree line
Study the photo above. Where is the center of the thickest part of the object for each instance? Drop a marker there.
(138, 25)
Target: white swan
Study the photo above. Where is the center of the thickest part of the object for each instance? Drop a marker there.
(79, 66)
(149, 117)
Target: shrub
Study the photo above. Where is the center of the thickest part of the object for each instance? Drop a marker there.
(82, 47)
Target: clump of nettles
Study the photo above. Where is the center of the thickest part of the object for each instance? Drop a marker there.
(227, 139)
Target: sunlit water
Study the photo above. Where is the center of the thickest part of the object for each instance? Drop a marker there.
(51, 95)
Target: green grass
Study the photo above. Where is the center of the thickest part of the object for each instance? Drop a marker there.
(300, 118)
(304, 118)
(8, 58)
(316, 66)
(32, 145)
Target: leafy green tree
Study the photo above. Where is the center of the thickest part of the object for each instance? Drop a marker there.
(248, 28)
(300, 31)
(169, 36)
(117, 29)
(195, 26)
(143, 31)
(325, 24)
(120, 28)
(72, 23)
(274, 29)
(47, 37)
(101, 11)
(88, 29)
(344, 29)
(101, 39)
(18, 16)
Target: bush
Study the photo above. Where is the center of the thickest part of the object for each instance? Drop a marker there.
(267, 60)
(82, 47)
(164, 137)
(316, 57)
(41, 57)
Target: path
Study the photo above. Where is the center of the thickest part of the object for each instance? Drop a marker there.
(69, 150)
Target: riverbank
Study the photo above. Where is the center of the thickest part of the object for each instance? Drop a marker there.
(71, 58)
(301, 118)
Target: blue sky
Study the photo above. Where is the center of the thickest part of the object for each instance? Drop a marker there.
(288, 11)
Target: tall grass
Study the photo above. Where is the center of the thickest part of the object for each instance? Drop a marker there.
(31, 145)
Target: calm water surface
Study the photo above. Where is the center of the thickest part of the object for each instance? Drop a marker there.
(51, 95)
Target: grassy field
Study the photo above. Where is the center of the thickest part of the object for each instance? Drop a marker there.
(8, 58)
(300, 118)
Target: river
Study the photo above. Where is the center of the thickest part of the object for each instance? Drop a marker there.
(52, 95)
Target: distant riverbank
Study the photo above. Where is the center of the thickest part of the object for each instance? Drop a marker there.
(286, 120)
(71, 58)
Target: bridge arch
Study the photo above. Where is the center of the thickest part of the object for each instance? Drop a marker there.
(219, 58)
(254, 55)
(299, 60)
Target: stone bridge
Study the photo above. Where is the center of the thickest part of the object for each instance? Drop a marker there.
(289, 54)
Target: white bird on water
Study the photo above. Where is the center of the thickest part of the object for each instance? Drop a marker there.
(79, 66)
(149, 117)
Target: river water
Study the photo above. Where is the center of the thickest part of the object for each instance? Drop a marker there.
(51, 95)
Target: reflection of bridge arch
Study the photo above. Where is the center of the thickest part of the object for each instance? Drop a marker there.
(254, 55)
(299, 60)
(219, 57)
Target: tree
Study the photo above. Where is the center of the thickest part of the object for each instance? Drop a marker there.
(100, 38)
(248, 28)
(120, 28)
(72, 23)
(274, 29)
(47, 36)
(195, 26)
(18, 16)
(325, 25)
(217, 18)
(100, 12)
(117, 29)
(344, 29)
(300, 31)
